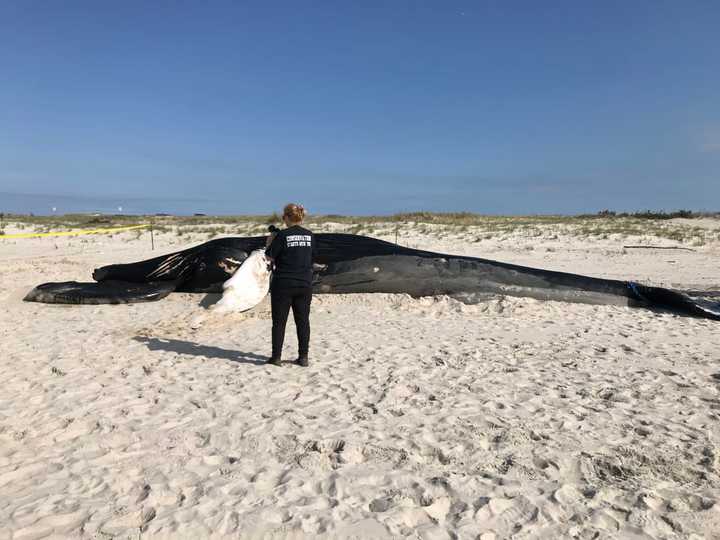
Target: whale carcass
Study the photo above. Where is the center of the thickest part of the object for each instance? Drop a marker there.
(358, 264)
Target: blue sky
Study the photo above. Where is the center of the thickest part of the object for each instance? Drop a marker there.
(365, 107)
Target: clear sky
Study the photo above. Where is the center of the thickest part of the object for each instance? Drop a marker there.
(365, 107)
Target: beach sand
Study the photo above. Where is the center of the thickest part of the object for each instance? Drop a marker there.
(421, 418)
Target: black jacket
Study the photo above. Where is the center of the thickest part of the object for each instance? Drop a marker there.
(293, 250)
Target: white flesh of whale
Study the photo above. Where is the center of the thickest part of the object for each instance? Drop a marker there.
(248, 285)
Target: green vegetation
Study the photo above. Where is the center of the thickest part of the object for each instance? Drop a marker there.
(649, 214)
(473, 227)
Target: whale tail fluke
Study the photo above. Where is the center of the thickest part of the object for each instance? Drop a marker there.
(695, 303)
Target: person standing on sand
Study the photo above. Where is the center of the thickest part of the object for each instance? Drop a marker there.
(292, 251)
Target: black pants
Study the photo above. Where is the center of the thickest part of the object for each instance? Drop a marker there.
(281, 300)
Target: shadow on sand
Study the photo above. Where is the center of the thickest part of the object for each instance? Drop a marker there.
(209, 300)
(188, 347)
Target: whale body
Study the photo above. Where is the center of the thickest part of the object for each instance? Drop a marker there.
(360, 264)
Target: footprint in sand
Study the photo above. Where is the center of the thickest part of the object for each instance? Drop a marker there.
(506, 516)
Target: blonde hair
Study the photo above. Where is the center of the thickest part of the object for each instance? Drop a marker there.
(295, 213)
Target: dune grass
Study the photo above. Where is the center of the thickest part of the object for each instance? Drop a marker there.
(474, 227)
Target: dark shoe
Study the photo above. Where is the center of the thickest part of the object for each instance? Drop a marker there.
(273, 361)
(302, 361)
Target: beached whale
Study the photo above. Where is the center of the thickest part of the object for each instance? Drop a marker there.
(359, 264)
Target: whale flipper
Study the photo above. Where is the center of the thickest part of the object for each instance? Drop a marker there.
(248, 285)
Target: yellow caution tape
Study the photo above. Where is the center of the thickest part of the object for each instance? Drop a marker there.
(73, 233)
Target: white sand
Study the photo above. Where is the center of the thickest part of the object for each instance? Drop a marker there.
(421, 418)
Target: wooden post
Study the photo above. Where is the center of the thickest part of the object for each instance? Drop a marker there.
(152, 239)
